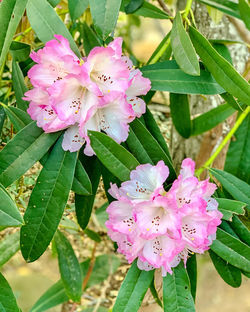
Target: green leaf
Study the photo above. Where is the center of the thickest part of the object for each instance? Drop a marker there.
(133, 289)
(9, 213)
(53, 2)
(182, 122)
(103, 267)
(77, 7)
(192, 274)
(231, 250)
(238, 155)
(152, 147)
(2, 118)
(226, 226)
(231, 101)
(230, 274)
(133, 6)
(18, 117)
(167, 76)
(211, 118)
(223, 50)
(93, 235)
(47, 202)
(46, 23)
(155, 293)
(239, 189)
(226, 6)
(245, 12)
(102, 215)
(11, 12)
(183, 49)
(69, 266)
(81, 183)
(177, 291)
(7, 298)
(19, 86)
(113, 156)
(104, 14)
(162, 52)
(9, 245)
(222, 71)
(23, 151)
(19, 51)
(90, 39)
(84, 204)
(229, 207)
(241, 230)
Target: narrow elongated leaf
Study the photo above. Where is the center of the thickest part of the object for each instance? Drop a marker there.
(7, 298)
(84, 204)
(115, 157)
(90, 39)
(47, 202)
(2, 118)
(239, 189)
(46, 23)
(192, 274)
(238, 155)
(53, 2)
(155, 293)
(162, 52)
(232, 250)
(177, 291)
(167, 76)
(23, 151)
(211, 118)
(77, 7)
(229, 207)
(11, 12)
(222, 71)
(183, 49)
(230, 274)
(226, 226)
(152, 147)
(103, 267)
(180, 114)
(133, 6)
(133, 289)
(18, 117)
(19, 51)
(241, 230)
(69, 266)
(9, 213)
(105, 14)
(245, 12)
(226, 6)
(108, 178)
(9, 245)
(223, 50)
(19, 86)
(81, 183)
(231, 101)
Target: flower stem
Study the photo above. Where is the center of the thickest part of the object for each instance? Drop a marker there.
(160, 52)
(21, 35)
(187, 8)
(224, 142)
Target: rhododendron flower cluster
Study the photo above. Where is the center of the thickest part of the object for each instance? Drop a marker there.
(161, 228)
(99, 92)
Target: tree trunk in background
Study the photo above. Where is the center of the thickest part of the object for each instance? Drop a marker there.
(201, 147)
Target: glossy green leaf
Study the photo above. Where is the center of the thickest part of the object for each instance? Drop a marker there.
(154, 293)
(152, 147)
(19, 86)
(90, 39)
(46, 23)
(18, 117)
(167, 76)
(54, 2)
(108, 178)
(237, 188)
(84, 204)
(162, 52)
(226, 226)
(81, 183)
(133, 5)
(230, 207)
(223, 50)
(11, 12)
(245, 12)
(182, 122)
(7, 298)
(226, 6)
(115, 157)
(177, 291)
(104, 14)
(133, 289)
(77, 7)
(231, 101)
(69, 266)
(183, 49)
(104, 266)
(23, 151)
(9, 213)
(211, 118)
(230, 274)
(222, 71)
(241, 230)
(93, 235)
(192, 274)
(232, 250)
(19, 51)
(2, 118)
(238, 155)
(9, 245)
(47, 202)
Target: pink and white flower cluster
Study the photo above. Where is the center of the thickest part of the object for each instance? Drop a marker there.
(161, 228)
(99, 92)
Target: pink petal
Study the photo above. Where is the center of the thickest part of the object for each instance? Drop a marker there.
(138, 84)
(72, 141)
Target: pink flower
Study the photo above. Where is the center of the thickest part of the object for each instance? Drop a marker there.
(162, 228)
